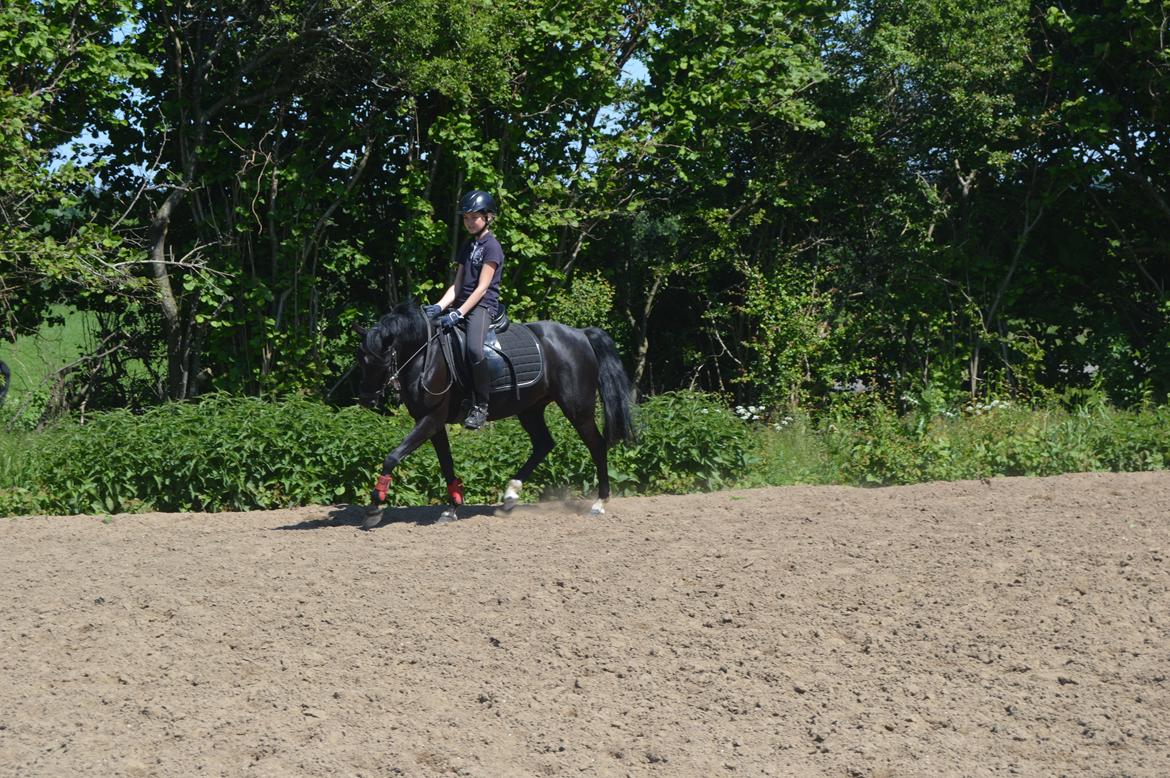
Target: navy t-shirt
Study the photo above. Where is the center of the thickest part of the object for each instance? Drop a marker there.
(472, 254)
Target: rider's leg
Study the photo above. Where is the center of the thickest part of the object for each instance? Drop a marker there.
(477, 324)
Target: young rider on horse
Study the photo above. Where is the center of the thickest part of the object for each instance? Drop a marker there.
(475, 294)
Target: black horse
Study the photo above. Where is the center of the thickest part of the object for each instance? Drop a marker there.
(404, 350)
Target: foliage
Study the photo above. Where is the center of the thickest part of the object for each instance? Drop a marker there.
(790, 451)
(587, 302)
(869, 443)
(762, 198)
(688, 441)
(227, 453)
(61, 72)
(16, 494)
(794, 343)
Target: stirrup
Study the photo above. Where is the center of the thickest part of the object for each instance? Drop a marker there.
(477, 418)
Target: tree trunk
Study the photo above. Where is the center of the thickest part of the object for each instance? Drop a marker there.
(168, 304)
(642, 328)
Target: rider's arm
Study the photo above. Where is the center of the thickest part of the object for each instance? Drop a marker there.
(449, 295)
(486, 273)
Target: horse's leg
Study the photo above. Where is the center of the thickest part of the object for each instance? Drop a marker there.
(532, 420)
(582, 420)
(442, 446)
(424, 428)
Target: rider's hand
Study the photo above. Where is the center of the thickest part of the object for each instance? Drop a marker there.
(431, 311)
(450, 319)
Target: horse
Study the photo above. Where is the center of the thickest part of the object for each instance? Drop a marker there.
(403, 350)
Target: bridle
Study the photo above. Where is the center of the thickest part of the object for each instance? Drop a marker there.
(390, 362)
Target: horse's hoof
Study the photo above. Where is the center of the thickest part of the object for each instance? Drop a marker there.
(598, 509)
(447, 516)
(512, 494)
(373, 517)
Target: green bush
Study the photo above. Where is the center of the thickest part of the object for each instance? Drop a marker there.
(870, 444)
(220, 454)
(688, 441)
(229, 453)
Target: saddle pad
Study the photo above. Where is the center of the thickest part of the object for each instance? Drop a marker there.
(517, 344)
(523, 350)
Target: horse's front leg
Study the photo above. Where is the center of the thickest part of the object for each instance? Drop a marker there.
(447, 467)
(424, 429)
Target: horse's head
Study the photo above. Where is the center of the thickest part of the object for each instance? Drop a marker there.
(373, 352)
(380, 347)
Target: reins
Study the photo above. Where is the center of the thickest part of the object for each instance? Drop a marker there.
(450, 372)
(392, 379)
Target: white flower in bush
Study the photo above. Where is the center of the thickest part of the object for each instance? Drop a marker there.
(981, 408)
(750, 412)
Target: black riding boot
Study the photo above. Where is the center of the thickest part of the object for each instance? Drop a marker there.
(481, 374)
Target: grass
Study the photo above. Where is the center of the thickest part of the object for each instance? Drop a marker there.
(11, 447)
(33, 359)
(791, 454)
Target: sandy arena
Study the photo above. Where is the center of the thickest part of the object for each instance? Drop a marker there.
(1020, 626)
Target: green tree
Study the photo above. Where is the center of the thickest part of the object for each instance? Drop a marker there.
(63, 71)
(273, 138)
(1107, 67)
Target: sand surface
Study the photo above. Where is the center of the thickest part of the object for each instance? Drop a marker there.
(1017, 626)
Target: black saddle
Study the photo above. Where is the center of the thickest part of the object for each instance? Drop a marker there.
(511, 350)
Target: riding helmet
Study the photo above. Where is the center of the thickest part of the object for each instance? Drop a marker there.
(477, 200)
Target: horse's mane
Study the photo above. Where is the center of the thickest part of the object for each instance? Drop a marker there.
(405, 326)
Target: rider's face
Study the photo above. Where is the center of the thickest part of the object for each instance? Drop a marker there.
(474, 221)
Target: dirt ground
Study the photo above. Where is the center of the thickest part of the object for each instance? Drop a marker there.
(1018, 626)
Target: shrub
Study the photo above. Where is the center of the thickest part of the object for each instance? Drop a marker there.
(229, 453)
(688, 441)
(220, 454)
(870, 444)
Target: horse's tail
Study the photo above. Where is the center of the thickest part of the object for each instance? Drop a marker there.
(616, 391)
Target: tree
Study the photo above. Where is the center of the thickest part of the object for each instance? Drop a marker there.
(1107, 67)
(268, 124)
(63, 71)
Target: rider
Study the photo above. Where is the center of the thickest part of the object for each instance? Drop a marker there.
(475, 294)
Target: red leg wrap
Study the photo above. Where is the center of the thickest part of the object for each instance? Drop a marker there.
(455, 489)
(382, 487)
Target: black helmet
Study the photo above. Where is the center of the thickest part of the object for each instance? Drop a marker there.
(477, 200)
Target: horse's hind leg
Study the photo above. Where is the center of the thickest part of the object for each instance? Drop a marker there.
(532, 420)
(587, 428)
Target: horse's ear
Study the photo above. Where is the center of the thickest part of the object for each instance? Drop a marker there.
(359, 329)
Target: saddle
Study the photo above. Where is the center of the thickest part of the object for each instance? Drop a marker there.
(511, 350)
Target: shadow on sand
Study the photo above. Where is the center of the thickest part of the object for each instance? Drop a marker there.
(355, 515)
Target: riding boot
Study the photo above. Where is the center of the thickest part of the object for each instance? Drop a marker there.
(481, 375)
